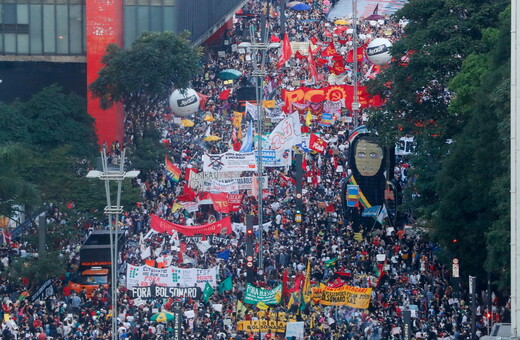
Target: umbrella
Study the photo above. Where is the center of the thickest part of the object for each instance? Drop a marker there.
(244, 44)
(229, 74)
(187, 123)
(301, 7)
(293, 3)
(341, 22)
(162, 317)
(209, 118)
(212, 138)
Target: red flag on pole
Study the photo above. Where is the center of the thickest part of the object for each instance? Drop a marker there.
(286, 51)
(329, 51)
(312, 65)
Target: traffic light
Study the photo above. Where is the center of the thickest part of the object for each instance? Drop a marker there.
(298, 216)
(250, 239)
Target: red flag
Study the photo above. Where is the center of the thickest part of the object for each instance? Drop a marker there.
(338, 67)
(182, 251)
(300, 56)
(203, 99)
(329, 51)
(188, 196)
(314, 40)
(312, 65)
(321, 61)
(317, 144)
(188, 172)
(224, 94)
(350, 55)
(286, 51)
(275, 39)
(284, 282)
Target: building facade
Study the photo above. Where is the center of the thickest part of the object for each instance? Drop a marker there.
(61, 41)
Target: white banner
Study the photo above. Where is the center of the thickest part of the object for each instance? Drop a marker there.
(190, 206)
(143, 276)
(272, 158)
(287, 133)
(229, 161)
(229, 186)
(252, 109)
(196, 179)
(244, 183)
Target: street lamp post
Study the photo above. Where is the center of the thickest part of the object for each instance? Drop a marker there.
(259, 73)
(113, 211)
(355, 103)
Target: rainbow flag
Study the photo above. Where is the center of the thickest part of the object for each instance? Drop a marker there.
(172, 172)
(362, 199)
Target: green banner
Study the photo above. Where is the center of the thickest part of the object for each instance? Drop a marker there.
(254, 295)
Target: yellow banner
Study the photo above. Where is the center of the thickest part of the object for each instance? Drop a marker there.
(262, 325)
(354, 297)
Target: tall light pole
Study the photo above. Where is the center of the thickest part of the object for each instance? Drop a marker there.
(355, 102)
(259, 73)
(113, 212)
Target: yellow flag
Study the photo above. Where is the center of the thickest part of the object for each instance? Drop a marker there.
(269, 103)
(278, 296)
(308, 118)
(307, 284)
(176, 206)
(241, 309)
(262, 305)
(237, 119)
(291, 302)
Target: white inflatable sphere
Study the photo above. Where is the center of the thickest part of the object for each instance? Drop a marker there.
(378, 51)
(184, 104)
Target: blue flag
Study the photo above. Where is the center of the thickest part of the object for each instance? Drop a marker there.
(247, 146)
(224, 254)
(372, 211)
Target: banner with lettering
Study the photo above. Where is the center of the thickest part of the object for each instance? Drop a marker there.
(332, 93)
(273, 159)
(244, 183)
(197, 179)
(144, 276)
(354, 297)
(253, 295)
(229, 161)
(163, 226)
(226, 203)
(216, 187)
(155, 292)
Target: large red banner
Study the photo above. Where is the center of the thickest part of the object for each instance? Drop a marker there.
(163, 226)
(330, 93)
(104, 26)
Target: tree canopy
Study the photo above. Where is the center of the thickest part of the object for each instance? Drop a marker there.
(143, 76)
(449, 88)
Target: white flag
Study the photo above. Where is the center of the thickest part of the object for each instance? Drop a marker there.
(287, 133)
(175, 239)
(203, 246)
(186, 259)
(252, 109)
(382, 214)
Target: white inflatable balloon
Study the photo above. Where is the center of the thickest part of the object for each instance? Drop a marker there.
(378, 51)
(184, 104)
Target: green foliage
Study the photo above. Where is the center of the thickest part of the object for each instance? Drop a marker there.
(143, 76)
(37, 270)
(15, 189)
(149, 152)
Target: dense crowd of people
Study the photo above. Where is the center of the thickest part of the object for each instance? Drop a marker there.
(409, 279)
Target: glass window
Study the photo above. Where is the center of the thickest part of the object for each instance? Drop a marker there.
(130, 24)
(168, 24)
(49, 29)
(10, 43)
(75, 29)
(143, 2)
(22, 14)
(169, 2)
(1, 16)
(143, 19)
(62, 29)
(130, 2)
(9, 14)
(156, 19)
(156, 2)
(35, 29)
(23, 43)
